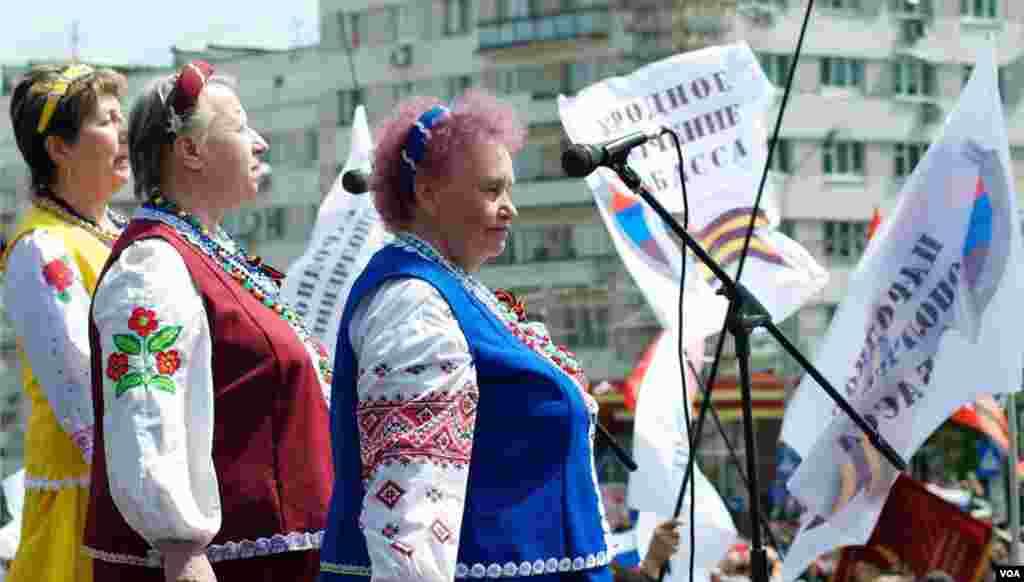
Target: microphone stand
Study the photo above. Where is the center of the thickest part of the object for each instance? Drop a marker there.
(745, 314)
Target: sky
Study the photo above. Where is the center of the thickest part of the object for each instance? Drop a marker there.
(122, 32)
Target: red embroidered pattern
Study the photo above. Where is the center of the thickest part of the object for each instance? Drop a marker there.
(441, 531)
(401, 549)
(168, 362)
(143, 321)
(59, 276)
(390, 493)
(117, 366)
(435, 428)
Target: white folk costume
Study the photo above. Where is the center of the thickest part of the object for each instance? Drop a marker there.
(211, 411)
(50, 272)
(462, 435)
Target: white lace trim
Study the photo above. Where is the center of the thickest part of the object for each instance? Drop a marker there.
(276, 544)
(55, 484)
(496, 570)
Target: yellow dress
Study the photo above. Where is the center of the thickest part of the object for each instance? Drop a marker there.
(50, 272)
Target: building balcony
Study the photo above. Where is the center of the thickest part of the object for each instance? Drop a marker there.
(565, 26)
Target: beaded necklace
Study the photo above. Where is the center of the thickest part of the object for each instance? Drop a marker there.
(48, 202)
(251, 273)
(509, 311)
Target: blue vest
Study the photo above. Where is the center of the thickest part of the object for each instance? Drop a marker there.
(531, 506)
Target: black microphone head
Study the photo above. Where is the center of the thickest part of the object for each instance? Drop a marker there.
(580, 160)
(355, 181)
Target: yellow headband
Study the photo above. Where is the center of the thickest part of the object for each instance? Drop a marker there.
(56, 89)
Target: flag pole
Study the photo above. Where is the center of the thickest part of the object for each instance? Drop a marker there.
(1012, 458)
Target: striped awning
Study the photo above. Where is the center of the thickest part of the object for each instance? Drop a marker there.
(768, 393)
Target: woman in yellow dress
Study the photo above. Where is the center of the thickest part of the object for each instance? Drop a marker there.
(69, 127)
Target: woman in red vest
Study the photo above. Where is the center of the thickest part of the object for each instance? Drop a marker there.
(213, 455)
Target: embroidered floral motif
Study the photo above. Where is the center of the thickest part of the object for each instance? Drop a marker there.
(401, 548)
(132, 365)
(390, 531)
(510, 301)
(143, 321)
(117, 366)
(381, 370)
(58, 274)
(447, 366)
(168, 362)
(442, 533)
(434, 494)
(435, 428)
(416, 369)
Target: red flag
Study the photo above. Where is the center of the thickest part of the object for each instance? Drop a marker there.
(876, 219)
(924, 532)
(631, 386)
(986, 417)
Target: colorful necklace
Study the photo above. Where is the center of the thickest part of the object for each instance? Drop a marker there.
(251, 273)
(48, 202)
(509, 310)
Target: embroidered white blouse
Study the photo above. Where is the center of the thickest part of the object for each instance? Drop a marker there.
(54, 333)
(159, 437)
(407, 343)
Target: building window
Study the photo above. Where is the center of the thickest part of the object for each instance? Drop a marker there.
(842, 4)
(456, 17)
(906, 158)
(843, 157)
(776, 68)
(913, 78)
(518, 23)
(969, 69)
(547, 243)
(580, 325)
(352, 27)
(844, 241)
(911, 7)
(457, 85)
(979, 8)
(382, 25)
(312, 146)
(841, 72)
(348, 100)
(782, 157)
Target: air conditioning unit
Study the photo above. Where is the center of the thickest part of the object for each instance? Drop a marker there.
(912, 30)
(401, 56)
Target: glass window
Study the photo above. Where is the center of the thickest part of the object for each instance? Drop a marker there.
(906, 158)
(843, 157)
(844, 241)
(842, 4)
(352, 27)
(456, 16)
(842, 72)
(782, 156)
(979, 8)
(348, 100)
(913, 78)
(776, 68)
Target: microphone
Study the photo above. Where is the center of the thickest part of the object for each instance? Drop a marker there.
(581, 159)
(356, 181)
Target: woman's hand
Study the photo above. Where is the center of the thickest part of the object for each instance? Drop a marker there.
(184, 563)
(664, 544)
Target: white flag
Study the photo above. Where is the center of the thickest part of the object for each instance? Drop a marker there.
(715, 100)
(931, 321)
(661, 453)
(347, 232)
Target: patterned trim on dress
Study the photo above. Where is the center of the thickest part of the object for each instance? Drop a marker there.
(55, 484)
(277, 544)
(496, 570)
(345, 570)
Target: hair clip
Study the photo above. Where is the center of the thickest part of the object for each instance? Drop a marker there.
(415, 147)
(56, 89)
(188, 85)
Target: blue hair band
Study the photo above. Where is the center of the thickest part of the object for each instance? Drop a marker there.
(416, 144)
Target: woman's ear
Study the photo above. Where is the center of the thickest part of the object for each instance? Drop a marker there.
(426, 197)
(187, 149)
(58, 149)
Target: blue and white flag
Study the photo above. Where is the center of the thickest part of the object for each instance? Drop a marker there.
(931, 320)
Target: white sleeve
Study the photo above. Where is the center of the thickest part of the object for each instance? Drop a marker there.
(48, 307)
(416, 415)
(158, 396)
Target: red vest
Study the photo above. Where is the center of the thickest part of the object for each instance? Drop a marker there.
(271, 438)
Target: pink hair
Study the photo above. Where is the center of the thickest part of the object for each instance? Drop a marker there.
(477, 116)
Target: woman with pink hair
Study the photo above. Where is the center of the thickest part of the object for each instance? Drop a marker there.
(462, 435)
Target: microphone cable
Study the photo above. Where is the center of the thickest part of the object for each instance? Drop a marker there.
(712, 375)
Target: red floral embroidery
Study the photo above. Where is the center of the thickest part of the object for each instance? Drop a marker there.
(117, 366)
(143, 321)
(59, 276)
(168, 362)
(516, 305)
